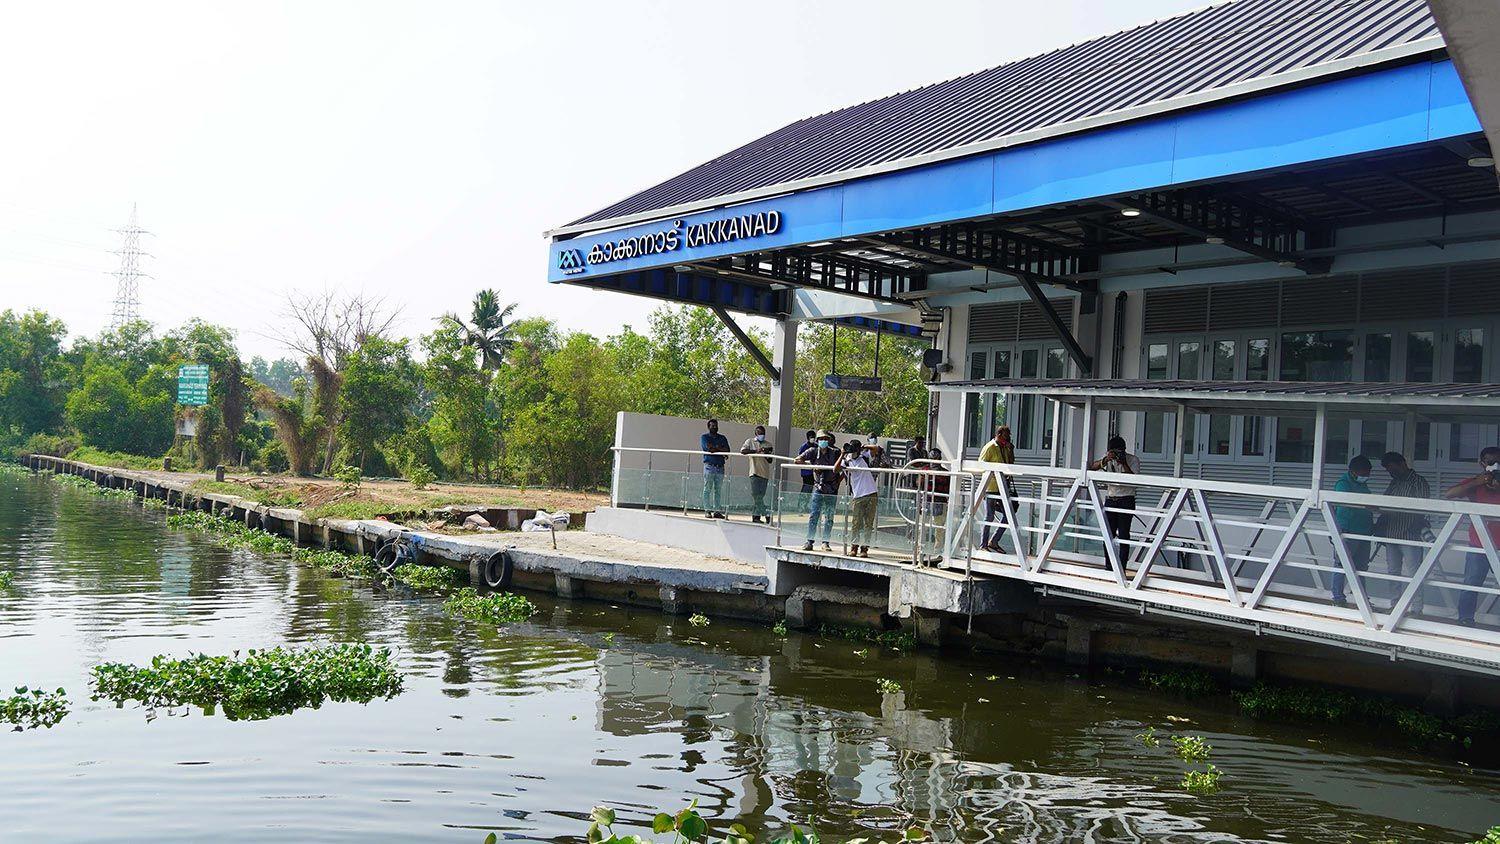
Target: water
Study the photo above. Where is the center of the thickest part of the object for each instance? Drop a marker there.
(521, 731)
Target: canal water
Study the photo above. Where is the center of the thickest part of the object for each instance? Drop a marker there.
(520, 731)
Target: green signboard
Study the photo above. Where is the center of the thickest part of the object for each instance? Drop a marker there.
(192, 384)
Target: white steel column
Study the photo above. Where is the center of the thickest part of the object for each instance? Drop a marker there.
(1320, 447)
(784, 358)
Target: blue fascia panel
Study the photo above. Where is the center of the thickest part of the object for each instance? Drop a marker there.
(1449, 114)
(1357, 114)
(953, 190)
(1382, 109)
(1085, 166)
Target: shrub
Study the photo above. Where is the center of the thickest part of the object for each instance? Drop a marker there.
(50, 444)
(348, 478)
(496, 607)
(32, 708)
(265, 683)
(421, 476)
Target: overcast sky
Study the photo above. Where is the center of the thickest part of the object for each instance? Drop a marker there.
(417, 150)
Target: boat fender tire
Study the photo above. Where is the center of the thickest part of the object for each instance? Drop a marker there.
(387, 557)
(498, 570)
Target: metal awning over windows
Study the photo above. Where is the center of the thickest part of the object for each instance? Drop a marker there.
(1474, 402)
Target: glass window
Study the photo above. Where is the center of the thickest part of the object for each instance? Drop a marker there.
(1002, 364)
(1221, 368)
(1189, 357)
(974, 413)
(1467, 438)
(1317, 356)
(1374, 433)
(1057, 363)
(1223, 365)
(1156, 361)
(1220, 434)
(1253, 440)
(1026, 407)
(1258, 360)
(1421, 357)
(977, 360)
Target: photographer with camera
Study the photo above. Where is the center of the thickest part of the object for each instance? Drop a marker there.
(1483, 488)
(1118, 496)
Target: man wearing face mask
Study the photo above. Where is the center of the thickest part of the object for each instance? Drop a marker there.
(998, 450)
(760, 473)
(714, 445)
(1485, 489)
(1353, 519)
(863, 499)
(824, 460)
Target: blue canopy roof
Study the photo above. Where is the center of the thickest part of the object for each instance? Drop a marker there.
(1223, 51)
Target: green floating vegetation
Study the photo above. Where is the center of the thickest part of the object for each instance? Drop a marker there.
(426, 577)
(698, 619)
(1202, 782)
(85, 485)
(1491, 837)
(496, 607)
(899, 639)
(236, 535)
(7, 580)
(264, 683)
(1192, 748)
(886, 686)
(1148, 738)
(779, 628)
(1313, 703)
(1187, 682)
(688, 826)
(28, 709)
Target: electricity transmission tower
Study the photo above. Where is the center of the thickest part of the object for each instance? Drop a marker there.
(129, 275)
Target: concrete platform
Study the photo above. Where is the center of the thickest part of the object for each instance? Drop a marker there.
(733, 538)
(908, 588)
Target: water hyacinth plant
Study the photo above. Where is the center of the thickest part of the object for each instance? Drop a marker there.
(688, 826)
(888, 687)
(426, 577)
(263, 683)
(28, 708)
(1192, 748)
(495, 608)
(7, 580)
(235, 534)
(1201, 782)
(698, 619)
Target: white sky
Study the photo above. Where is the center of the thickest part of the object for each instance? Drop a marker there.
(417, 150)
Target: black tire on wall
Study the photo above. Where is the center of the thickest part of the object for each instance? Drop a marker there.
(387, 557)
(498, 570)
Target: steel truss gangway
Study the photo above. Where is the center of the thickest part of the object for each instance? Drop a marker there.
(1258, 557)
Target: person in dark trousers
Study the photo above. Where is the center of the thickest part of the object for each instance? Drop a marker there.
(825, 458)
(1403, 524)
(998, 450)
(1483, 488)
(1352, 519)
(807, 474)
(716, 445)
(1118, 496)
(760, 473)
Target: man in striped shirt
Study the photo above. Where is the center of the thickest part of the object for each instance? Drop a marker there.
(1404, 524)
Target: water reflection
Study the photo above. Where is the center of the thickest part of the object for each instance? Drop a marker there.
(522, 730)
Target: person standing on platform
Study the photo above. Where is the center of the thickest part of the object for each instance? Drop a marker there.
(714, 445)
(998, 450)
(1351, 518)
(863, 498)
(760, 473)
(1483, 488)
(1118, 496)
(1402, 524)
(807, 474)
(824, 459)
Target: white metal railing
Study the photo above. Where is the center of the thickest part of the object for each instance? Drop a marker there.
(1265, 554)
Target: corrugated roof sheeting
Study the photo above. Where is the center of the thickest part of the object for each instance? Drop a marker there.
(1189, 54)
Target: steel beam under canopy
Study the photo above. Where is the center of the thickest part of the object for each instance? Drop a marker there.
(749, 343)
(1238, 223)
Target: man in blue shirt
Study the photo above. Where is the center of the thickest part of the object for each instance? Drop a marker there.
(714, 445)
(1353, 519)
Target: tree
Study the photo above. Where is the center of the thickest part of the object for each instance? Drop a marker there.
(114, 414)
(379, 390)
(33, 376)
(486, 332)
(462, 427)
(277, 374)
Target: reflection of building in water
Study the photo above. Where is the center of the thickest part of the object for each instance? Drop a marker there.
(779, 737)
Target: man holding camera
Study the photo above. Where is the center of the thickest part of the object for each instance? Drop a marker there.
(1118, 496)
(1483, 488)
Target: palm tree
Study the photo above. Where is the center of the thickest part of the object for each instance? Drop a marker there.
(486, 331)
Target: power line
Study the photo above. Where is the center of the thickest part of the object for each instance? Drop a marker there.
(129, 275)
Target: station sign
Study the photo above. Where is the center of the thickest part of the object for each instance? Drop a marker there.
(192, 384)
(861, 383)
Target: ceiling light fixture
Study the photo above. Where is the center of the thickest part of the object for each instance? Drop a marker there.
(1482, 161)
(1130, 212)
(1214, 240)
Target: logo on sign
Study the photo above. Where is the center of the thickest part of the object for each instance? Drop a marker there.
(570, 261)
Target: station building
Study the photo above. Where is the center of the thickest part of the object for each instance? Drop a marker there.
(1255, 240)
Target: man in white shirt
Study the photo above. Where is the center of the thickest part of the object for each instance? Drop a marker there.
(1118, 496)
(863, 498)
(760, 473)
